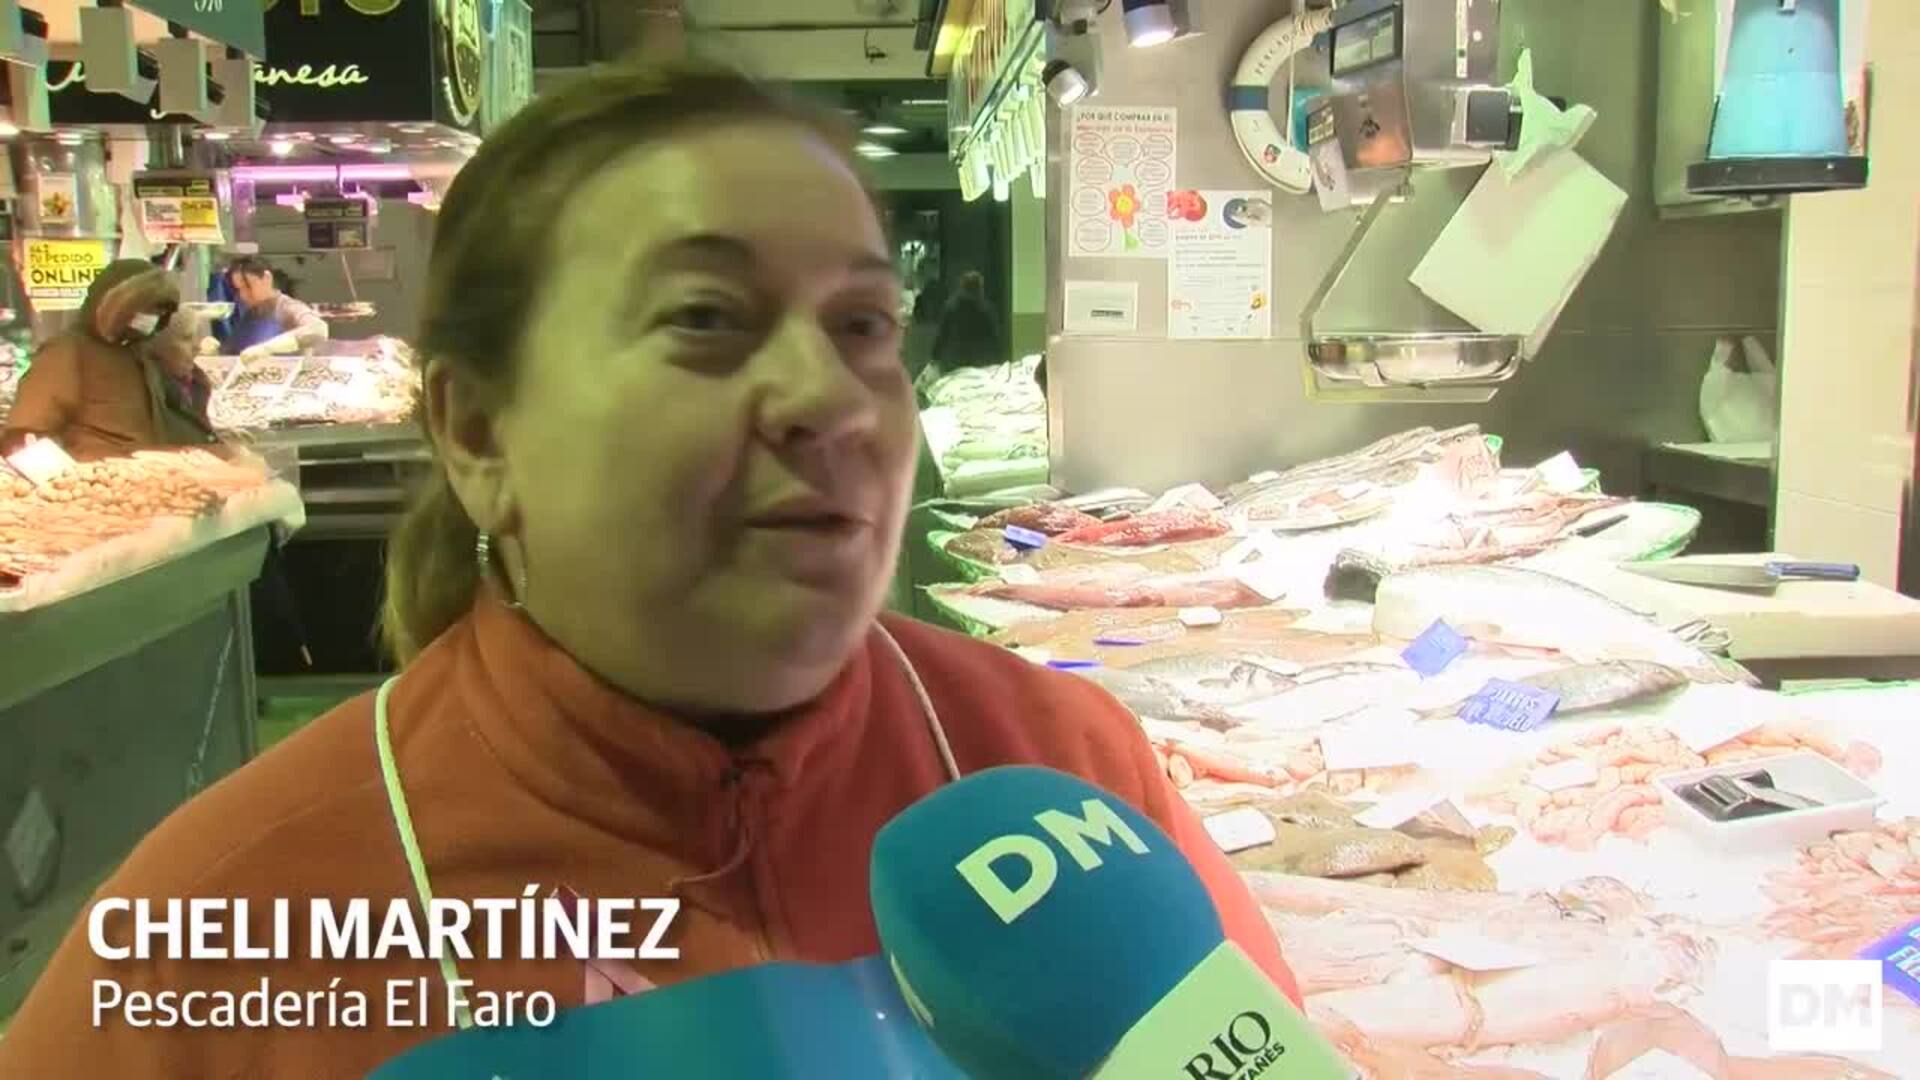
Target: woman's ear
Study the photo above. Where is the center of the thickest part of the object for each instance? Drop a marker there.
(465, 432)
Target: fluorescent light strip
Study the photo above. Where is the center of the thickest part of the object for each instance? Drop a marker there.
(297, 174)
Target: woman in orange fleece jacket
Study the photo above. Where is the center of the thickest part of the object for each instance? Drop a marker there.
(636, 605)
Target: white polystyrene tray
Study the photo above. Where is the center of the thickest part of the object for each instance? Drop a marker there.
(1847, 803)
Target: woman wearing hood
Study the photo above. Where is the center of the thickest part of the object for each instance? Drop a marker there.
(98, 388)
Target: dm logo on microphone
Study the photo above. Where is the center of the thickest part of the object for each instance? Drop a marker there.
(1097, 823)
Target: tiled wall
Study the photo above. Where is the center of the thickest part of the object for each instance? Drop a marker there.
(1852, 277)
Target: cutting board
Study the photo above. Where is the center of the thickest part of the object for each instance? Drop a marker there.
(1802, 619)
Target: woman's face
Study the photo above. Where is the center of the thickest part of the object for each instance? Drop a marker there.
(710, 444)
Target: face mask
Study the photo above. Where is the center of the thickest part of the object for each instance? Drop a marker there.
(143, 324)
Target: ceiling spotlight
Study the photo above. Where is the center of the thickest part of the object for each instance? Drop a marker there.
(1149, 22)
(883, 130)
(216, 136)
(1065, 84)
(874, 150)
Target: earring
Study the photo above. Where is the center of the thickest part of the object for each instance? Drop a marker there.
(483, 555)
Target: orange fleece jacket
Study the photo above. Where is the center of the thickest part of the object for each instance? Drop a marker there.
(520, 767)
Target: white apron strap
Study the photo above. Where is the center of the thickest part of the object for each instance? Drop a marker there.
(939, 733)
(409, 843)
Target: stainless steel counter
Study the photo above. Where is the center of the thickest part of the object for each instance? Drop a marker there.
(1749, 483)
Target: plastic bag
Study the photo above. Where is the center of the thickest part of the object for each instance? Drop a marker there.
(1740, 406)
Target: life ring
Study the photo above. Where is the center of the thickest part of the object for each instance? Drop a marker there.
(1285, 165)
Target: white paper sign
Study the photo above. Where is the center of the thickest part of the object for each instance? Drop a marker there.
(40, 461)
(1033, 656)
(1659, 1064)
(1191, 495)
(1374, 738)
(1702, 731)
(1220, 277)
(1102, 307)
(1201, 616)
(1120, 170)
(1561, 474)
(1561, 775)
(1238, 830)
(1476, 953)
(1268, 577)
(1019, 574)
(1396, 810)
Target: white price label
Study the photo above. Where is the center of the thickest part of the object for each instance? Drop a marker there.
(1702, 731)
(1034, 656)
(1659, 1065)
(40, 461)
(1377, 738)
(1561, 473)
(1019, 574)
(1201, 616)
(1255, 545)
(1564, 774)
(1476, 953)
(1238, 830)
(1192, 495)
(1396, 810)
(1263, 478)
(1268, 577)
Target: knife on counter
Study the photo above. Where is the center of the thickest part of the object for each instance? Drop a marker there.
(1748, 577)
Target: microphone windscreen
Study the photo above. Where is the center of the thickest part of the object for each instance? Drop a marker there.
(1033, 919)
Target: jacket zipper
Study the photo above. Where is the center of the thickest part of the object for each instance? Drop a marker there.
(759, 938)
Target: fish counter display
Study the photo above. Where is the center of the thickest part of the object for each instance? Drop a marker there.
(1504, 825)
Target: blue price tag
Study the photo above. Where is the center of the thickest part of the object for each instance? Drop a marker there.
(1899, 956)
(1510, 706)
(1024, 539)
(1434, 649)
(1117, 642)
(1073, 665)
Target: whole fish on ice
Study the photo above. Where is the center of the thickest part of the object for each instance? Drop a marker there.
(1327, 693)
(1512, 606)
(1120, 585)
(1220, 680)
(1142, 530)
(1604, 685)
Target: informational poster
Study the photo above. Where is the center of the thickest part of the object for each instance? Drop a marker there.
(59, 198)
(59, 271)
(1220, 275)
(178, 209)
(1118, 181)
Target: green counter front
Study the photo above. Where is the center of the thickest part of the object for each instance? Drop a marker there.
(117, 704)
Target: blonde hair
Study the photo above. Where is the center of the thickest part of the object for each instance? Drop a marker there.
(491, 251)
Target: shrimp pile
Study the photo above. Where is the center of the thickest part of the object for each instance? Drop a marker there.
(1628, 758)
(1849, 891)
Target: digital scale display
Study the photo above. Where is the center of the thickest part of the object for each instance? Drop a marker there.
(1365, 42)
